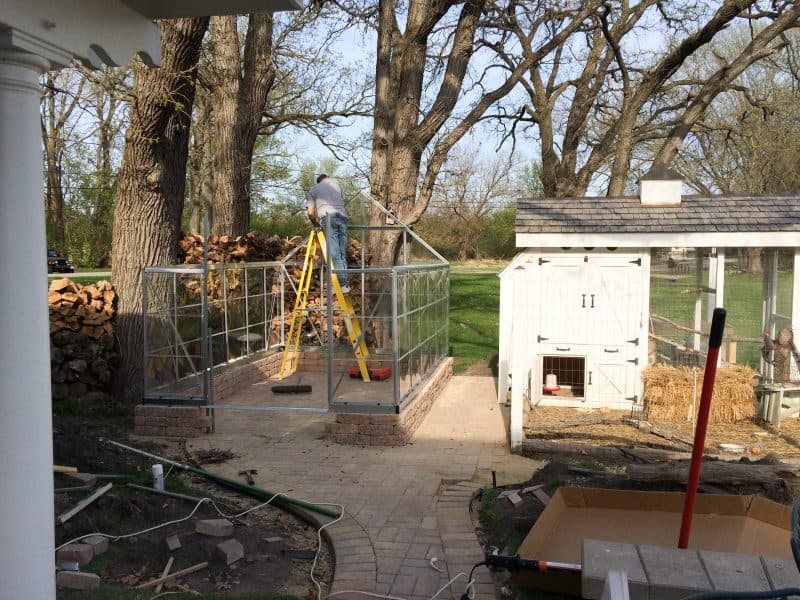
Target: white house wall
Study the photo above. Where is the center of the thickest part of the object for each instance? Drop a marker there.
(504, 334)
(523, 314)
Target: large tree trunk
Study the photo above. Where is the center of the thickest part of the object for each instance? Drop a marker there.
(400, 135)
(751, 260)
(225, 66)
(56, 112)
(104, 182)
(244, 80)
(200, 164)
(54, 196)
(151, 182)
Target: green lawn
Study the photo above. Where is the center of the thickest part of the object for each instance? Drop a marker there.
(474, 319)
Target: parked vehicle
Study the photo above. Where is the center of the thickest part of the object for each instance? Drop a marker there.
(57, 263)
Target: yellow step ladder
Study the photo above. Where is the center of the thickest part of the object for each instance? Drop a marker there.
(316, 241)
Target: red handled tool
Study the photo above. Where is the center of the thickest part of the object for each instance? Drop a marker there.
(714, 343)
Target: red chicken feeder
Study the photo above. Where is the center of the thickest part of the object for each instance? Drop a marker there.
(375, 373)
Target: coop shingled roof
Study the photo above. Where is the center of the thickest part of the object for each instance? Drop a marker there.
(628, 215)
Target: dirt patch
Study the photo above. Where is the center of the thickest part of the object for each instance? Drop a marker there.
(754, 436)
(136, 559)
(501, 525)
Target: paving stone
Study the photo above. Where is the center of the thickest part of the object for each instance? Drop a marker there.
(382, 588)
(386, 478)
(735, 572)
(531, 488)
(98, 543)
(542, 496)
(173, 543)
(599, 557)
(386, 578)
(79, 553)
(403, 585)
(230, 551)
(782, 573)
(515, 499)
(386, 534)
(214, 527)
(76, 580)
(673, 573)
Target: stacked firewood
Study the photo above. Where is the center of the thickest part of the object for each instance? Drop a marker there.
(81, 367)
(86, 309)
(82, 347)
(251, 247)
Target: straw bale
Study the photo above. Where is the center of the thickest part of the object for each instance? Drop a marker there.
(671, 394)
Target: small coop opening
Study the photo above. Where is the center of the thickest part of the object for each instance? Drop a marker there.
(563, 375)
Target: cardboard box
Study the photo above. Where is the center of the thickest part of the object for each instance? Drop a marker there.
(738, 524)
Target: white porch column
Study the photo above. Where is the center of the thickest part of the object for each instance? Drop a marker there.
(795, 315)
(698, 295)
(26, 444)
(769, 303)
(505, 332)
(716, 280)
(719, 284)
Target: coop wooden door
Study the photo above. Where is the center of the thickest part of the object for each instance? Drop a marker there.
(616, 308)
(563, 319)
(613, 380)
(615, 301)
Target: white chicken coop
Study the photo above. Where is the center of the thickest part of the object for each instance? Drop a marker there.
(574, 304)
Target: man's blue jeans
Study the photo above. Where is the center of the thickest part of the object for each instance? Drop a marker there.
(335, 228)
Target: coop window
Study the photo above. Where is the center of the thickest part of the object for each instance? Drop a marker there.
(569, 374)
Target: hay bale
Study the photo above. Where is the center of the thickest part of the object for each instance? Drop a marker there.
(671, 394)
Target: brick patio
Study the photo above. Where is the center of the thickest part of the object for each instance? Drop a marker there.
(403, 505)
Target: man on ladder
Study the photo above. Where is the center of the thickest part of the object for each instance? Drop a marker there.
(326, 204)
(325, 208)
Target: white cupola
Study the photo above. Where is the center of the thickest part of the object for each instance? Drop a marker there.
(661, 185)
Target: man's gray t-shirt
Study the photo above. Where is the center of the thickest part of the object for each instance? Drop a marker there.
(326, 197)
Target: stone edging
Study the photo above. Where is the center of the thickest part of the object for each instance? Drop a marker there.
(462, 549)
(355, 565)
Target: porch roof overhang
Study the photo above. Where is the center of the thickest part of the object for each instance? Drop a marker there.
(110, 32)
(711, 221)
(158, 9)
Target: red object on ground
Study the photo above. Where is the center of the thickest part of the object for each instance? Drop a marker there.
(376, 373)
(550, 390)
(714, 343)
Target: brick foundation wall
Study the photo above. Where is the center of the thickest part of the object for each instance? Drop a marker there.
(390, 430)
(191, 421)
(316, 361)
(349, 428)
(234, 376)
(170, 421)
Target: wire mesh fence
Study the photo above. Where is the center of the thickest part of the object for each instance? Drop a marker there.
(682, 299)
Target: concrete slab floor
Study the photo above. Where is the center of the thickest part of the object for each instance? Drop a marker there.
(406, 514)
